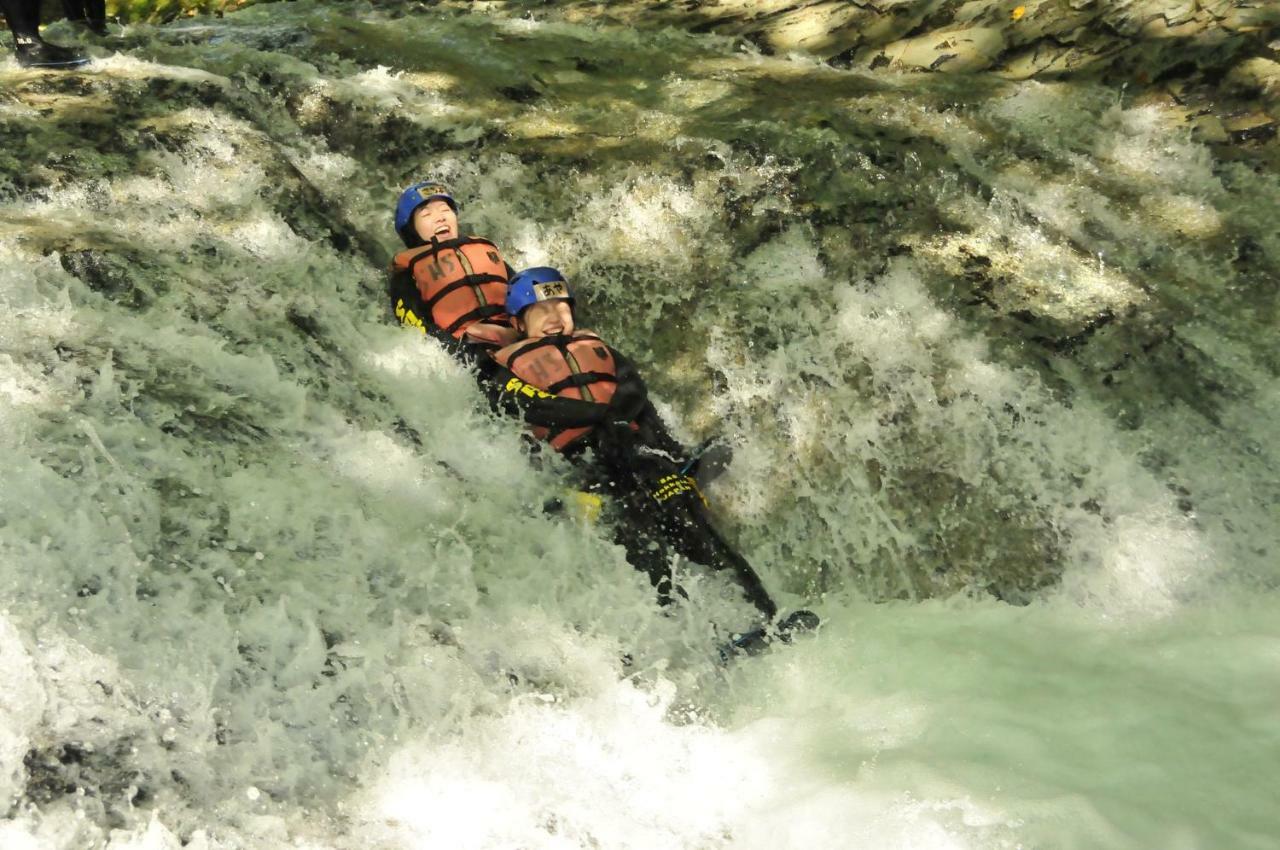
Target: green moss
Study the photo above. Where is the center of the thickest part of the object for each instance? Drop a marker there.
(168, 10)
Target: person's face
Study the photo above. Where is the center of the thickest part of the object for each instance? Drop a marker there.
(436, 220)
(547, 318)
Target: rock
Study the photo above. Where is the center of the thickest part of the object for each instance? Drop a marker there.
(972, 49)
(1256, 77)
(1208, 129)
(1250, 126)
(1139, 39)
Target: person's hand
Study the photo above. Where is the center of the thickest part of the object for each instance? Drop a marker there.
(616, 443)
(627, 402)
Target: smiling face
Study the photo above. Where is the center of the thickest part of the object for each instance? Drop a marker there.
(547, 318)
(436, 220)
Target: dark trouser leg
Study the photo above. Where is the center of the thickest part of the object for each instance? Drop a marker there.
(646, 551)
(669, 509)
(688, 528)
(662, 512)
(94, 11)
(23, 17)
(32, 51)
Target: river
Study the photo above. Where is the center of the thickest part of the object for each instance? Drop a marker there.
(997, 359)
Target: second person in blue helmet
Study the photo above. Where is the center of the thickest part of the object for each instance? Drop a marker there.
(659, 510)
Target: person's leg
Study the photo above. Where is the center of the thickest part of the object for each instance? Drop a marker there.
(91, 14)
(95, 11)
(634, 530)
(23, 17)
(669, 506)
(687, 527)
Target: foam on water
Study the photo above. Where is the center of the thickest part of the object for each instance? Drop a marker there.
(271, 576)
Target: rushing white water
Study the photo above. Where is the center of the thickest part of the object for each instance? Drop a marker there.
(998, 372)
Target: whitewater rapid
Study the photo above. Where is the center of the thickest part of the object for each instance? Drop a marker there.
(998, 380)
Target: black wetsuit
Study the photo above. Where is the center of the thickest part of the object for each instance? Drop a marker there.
(655, 507)
(656, 511)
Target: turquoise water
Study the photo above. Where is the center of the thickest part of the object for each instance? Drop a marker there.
(996, 358)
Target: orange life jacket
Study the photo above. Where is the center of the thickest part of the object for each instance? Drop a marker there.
(580, 366)
(461, 281)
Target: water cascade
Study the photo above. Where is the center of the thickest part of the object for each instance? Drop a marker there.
(996, 353)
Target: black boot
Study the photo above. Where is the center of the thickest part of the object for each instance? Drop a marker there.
(42, 54)
(797, 622)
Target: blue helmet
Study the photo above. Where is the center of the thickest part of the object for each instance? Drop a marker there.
(414, 197)
(540, 283)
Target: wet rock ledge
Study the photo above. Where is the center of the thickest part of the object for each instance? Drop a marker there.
(1020, 39)
(1017, 38)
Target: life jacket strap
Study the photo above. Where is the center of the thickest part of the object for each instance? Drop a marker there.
(530, 346)
(487, 311)
(408, 259)
(581, 379)
(469, 280)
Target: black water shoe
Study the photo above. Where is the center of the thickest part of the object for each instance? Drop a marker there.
(42, 54)
(708, 461)
(798, 622)
(758, 640)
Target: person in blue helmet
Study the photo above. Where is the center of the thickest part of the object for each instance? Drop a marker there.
(453, 288)
(659, 509)
(447, 285)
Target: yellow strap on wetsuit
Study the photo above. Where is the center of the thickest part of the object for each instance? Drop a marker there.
(674, 485)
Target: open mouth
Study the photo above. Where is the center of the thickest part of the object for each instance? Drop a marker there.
(442, 230)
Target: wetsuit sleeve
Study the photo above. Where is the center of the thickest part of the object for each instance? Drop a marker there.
(653, 431)
(512, 396)
(630, 396)
(631, 404)
(407, 306)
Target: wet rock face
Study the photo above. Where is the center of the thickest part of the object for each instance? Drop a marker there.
(1143, 38)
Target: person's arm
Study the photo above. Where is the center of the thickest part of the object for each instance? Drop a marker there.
(514, 397)
(406, 301)
(410, 311)
(630, 395)
(631, 404)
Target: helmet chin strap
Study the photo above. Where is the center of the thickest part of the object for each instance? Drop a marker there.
(413, 239)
